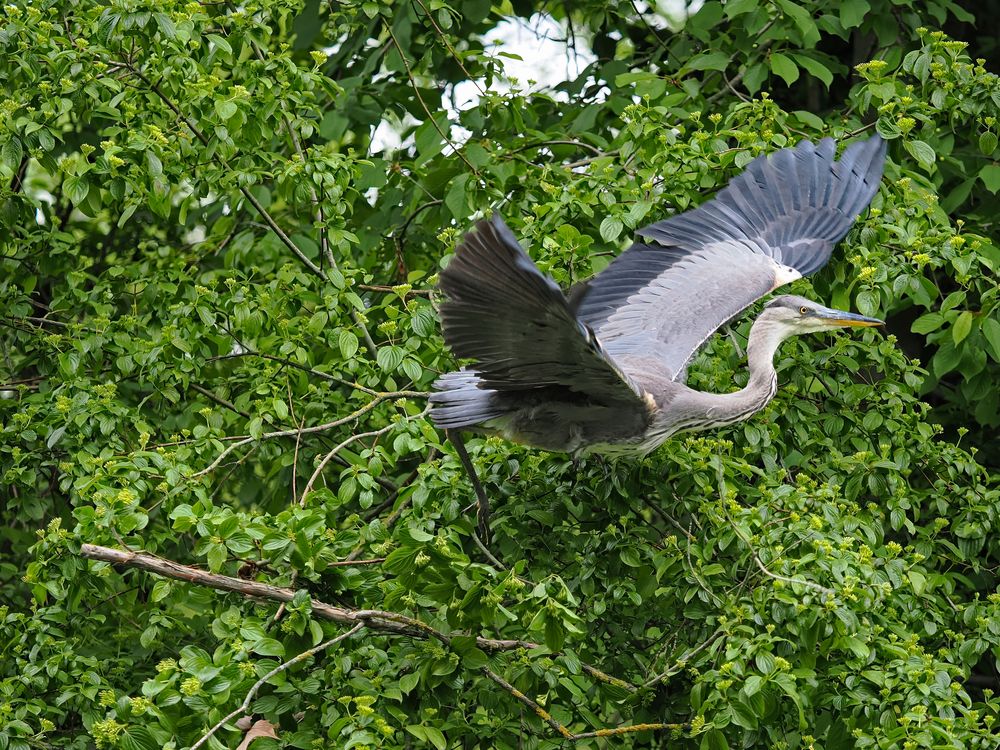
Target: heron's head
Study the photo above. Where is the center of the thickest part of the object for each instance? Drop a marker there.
(797, 315)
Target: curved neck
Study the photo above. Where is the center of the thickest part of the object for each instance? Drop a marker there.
(765, 337)
(702, 411)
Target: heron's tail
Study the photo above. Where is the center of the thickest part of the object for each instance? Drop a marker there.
(459, 401)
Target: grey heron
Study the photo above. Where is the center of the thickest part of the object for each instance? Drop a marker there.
(603, 369)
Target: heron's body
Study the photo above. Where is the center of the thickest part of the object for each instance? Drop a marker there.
(551, 421)
(603, 369)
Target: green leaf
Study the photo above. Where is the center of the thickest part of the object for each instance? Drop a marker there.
(867, 302)
(945, 359)
(153, 161)
(922, 152)
(166, 25)
(988, 142)
(713, 739)
(708, 61)
(428, 140)
(991, 331)
(815, 68)
(436, 738)
(754, 78)
(735, 8)
(12, 152)
(962, 326)
(217, 555)
(220, 43)
(753, 684)
(743, 715)
(409, 681)
(389, 358)
(348, 343)
(990, 175)
(225, 108)
(456, 199)
(783, 66)
(555, 634)
(928, 322)
(76, 188)
(268, 647)
(852, 12)
(803, 21)
(138, 738)
(611, 227)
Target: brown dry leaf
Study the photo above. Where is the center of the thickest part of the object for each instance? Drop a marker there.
(260, 728)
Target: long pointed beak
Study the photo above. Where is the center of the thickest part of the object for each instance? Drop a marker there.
(836, 317)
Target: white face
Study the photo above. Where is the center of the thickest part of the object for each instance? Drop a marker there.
(796, 321)
(798, 315)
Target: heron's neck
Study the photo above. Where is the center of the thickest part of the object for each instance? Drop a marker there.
(765, 337)
(707, 410)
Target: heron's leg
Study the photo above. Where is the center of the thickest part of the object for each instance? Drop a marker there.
(483, 512)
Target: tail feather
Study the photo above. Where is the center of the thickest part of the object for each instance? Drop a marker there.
(459, 400)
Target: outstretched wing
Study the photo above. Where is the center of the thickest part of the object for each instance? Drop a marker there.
(689, 274)
(517, 326)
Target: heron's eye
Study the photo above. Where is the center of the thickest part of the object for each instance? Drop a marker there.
(803, 310)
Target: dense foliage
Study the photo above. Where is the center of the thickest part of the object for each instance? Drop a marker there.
(218, 330)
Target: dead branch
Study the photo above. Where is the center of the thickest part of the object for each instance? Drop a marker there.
(378, 620)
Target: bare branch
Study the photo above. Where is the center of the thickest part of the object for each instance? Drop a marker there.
(538, 710)
(681, 662)
(451, 49)
(562, 730)
(387, 289)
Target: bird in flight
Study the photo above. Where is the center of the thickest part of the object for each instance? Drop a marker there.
(603, 369)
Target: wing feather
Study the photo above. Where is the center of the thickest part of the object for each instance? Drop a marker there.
(517, 326)
(689, 274)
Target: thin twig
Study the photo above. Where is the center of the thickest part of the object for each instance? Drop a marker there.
(269, 220)
(539, 711)
(245, 706)
(384, 288)
(196, 131)
(542, 144)
(304, 368)
(770, 574)
(241, 441)
(423, 104)
(681, 662)
(562, 730)
(345, 443)
(451, 49)
(219, 400)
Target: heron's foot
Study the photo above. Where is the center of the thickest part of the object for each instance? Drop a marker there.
(483, 519)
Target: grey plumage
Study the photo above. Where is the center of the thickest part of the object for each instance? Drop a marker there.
(603, 370)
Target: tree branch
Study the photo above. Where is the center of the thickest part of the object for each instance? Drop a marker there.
(378, 620)
(423, 104)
